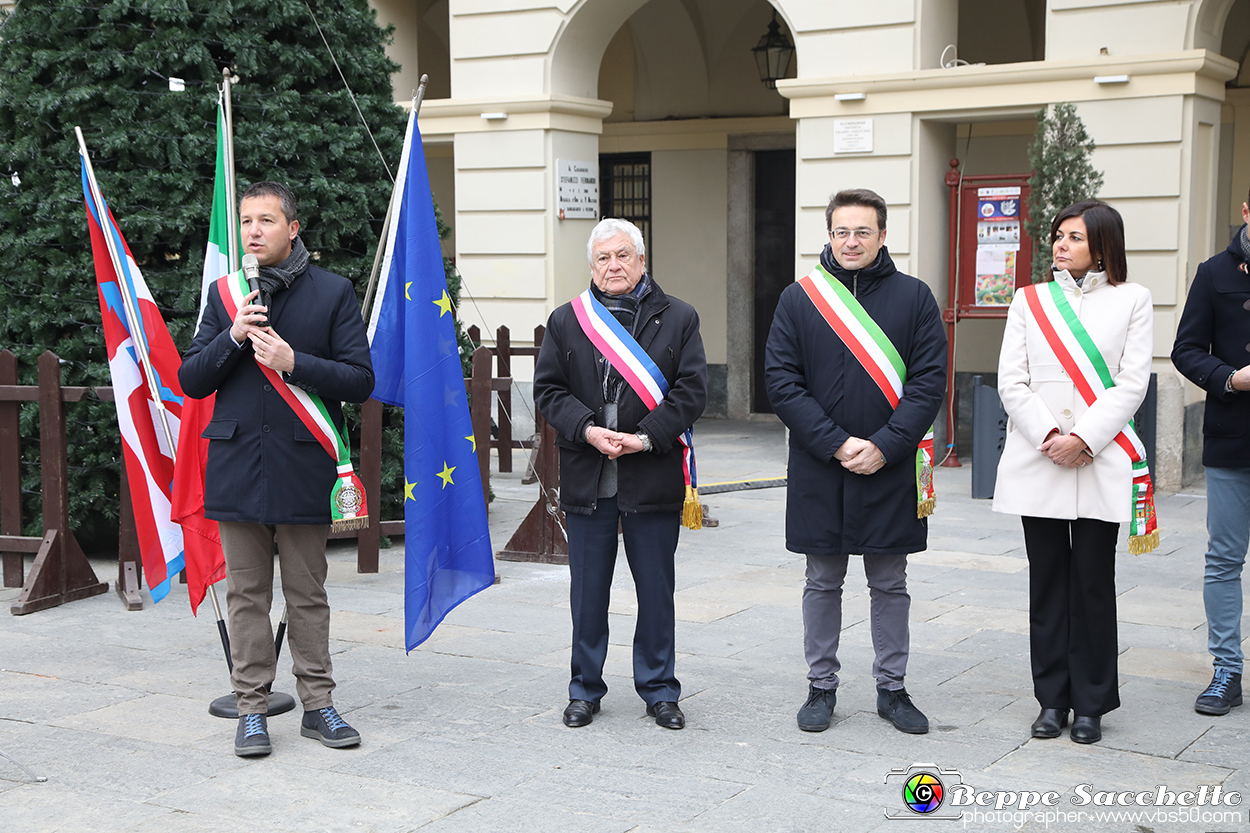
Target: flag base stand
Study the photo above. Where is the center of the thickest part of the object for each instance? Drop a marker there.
(226, 707)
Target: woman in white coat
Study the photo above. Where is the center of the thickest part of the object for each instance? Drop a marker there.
(1062, 469)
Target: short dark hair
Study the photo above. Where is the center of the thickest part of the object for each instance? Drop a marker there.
(856, 196)
(1104, 228)
(275, 189)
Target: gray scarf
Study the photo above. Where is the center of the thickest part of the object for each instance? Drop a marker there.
(1244, 240)
(274, 279)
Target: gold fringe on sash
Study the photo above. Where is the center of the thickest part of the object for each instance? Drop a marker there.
(925, 508)
(348, 524)
(692, 510)
(1141, 544)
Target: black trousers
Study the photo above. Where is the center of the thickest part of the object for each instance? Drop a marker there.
(650, 541)
(1072, 618)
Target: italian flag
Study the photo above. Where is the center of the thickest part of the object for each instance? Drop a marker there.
(205, 563)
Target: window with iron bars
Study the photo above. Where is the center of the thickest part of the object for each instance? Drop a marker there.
(625, 191)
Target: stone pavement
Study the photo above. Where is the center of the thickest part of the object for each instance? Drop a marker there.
(464, 734)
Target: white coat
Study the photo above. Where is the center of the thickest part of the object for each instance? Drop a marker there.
(1039, 397)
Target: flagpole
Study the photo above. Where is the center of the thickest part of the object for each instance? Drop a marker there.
(232, 215)
(133, 319)
(222, 706)
(417, 98)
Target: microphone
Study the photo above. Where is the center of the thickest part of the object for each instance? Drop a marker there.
(251, 271)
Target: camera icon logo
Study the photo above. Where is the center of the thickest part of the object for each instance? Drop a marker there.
(924, 789)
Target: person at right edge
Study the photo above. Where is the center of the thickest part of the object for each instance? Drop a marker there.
(1074, 368)
(1212, 350)
(856, 368)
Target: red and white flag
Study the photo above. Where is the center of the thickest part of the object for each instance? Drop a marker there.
(149, 407)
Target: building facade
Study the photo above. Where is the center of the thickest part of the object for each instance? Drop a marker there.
(730, 178)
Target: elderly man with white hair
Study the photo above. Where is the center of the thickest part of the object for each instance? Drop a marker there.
(622, 377)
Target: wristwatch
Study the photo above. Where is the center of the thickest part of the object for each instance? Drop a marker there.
(645, 439)
(1228, 386)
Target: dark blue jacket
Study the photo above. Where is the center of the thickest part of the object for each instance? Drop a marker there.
(264, 465)
(824, 396)
(1212, 341)
(569, 395)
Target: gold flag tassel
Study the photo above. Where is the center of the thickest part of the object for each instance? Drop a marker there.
(692, 510)
(925, 507)
(1142, 544)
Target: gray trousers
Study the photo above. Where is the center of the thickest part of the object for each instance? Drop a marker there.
(248, 549)
(889, 608)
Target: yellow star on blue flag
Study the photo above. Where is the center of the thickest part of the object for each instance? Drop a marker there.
(448, 555)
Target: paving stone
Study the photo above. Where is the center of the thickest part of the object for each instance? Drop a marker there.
(464, 733)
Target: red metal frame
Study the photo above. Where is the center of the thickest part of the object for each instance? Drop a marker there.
(961, 292)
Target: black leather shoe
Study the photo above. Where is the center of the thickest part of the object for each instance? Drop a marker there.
(667, 714)
(1086, 729)
(580, 713)
(1049, 723)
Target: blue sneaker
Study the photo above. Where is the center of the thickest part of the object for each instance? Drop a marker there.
(252, 737)
(1221, 695)
(326, 726)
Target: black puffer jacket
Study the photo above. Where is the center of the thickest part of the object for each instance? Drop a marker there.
(824, 396)
(568, 391)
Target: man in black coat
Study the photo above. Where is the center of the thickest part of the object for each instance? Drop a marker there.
(621, 463)
(852, 481)
(1212, 350)
(268, 478)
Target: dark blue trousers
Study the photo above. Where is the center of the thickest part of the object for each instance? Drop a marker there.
(650, 541)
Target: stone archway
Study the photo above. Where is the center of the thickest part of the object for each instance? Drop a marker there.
(573, 67)
(1206, 24)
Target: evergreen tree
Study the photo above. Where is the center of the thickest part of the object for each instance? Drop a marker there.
(105, 66)
(1062, 175)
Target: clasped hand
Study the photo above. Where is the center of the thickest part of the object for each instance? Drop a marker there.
(1066, 450)
(269, 347)
(860, 456)
(612, 443)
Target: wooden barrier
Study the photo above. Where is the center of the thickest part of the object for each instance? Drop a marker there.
(482, 383)
(61, 572)
(503, 351)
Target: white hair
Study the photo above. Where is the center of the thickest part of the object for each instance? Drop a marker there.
(611, 227)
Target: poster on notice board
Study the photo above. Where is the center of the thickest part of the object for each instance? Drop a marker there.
(998, 245)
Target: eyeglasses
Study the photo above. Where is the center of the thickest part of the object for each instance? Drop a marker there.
(623, 257)
(860, 233)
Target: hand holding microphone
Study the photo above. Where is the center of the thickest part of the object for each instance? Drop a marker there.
(251, 271)
(249, 317)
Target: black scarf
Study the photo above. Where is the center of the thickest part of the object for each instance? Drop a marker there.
(275, 279)
(624, 308)
(881, 267)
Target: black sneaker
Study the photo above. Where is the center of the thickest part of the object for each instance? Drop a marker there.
(896, 707)
(326, 726)
(1223, 693)
(817, 712)
(252, 737)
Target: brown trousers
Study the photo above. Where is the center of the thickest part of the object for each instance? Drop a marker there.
(248, 549)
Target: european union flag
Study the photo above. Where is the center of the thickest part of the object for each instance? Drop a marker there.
(416, 365)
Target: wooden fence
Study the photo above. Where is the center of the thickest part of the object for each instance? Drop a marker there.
(61, 572)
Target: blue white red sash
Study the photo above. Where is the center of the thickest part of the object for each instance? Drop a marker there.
(643, 377)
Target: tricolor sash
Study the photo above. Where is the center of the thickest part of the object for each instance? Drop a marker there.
(1085, 366)
(644, 378)
(870, 345)
(347, 498)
